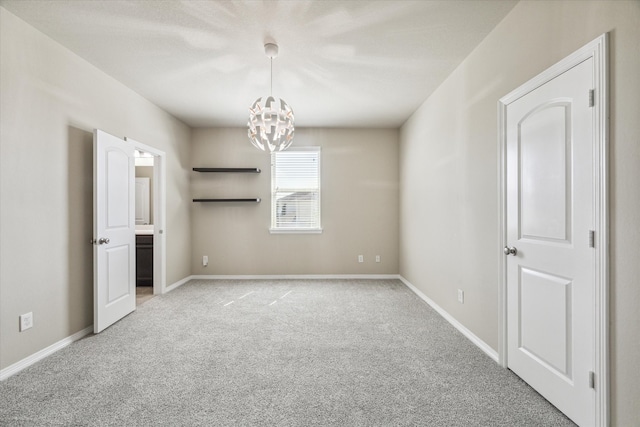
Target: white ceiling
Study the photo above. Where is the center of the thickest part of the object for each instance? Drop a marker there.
(341, 63)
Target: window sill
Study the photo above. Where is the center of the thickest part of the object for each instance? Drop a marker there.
(295, 230)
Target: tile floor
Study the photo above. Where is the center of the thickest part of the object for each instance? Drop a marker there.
(143, 294)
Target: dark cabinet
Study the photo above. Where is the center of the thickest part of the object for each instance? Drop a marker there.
(144, 260)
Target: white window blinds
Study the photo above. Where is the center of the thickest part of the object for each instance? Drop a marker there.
(295, 190)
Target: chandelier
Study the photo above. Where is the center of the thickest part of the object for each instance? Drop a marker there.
(270, 118)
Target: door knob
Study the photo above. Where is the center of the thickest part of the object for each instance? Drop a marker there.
(510, 250)
(103, 240)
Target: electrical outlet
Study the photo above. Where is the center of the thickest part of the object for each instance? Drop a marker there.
(377, 258)
(26, 321)
(460, 296)
(360, 258)
(205, 260)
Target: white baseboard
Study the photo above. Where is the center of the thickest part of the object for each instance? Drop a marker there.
(449, 318)
(30, 360)
(294, 276)
(177, 284)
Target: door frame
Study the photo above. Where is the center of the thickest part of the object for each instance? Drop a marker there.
(159, 215)
(598, 50)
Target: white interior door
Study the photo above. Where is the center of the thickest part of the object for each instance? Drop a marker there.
(550, 260)
(114, 291)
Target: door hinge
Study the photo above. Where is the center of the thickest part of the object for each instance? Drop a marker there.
(592, 238)
(592, 379)
(592, 97)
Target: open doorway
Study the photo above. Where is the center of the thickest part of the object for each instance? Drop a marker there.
(150, 227)
(144, 225)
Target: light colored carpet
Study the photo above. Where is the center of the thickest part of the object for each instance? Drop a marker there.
(275, 353)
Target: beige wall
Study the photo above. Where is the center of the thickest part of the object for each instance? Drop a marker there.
(359, 206)
(51, 101)
(449, 173)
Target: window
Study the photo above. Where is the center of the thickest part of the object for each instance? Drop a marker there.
(295, 191)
